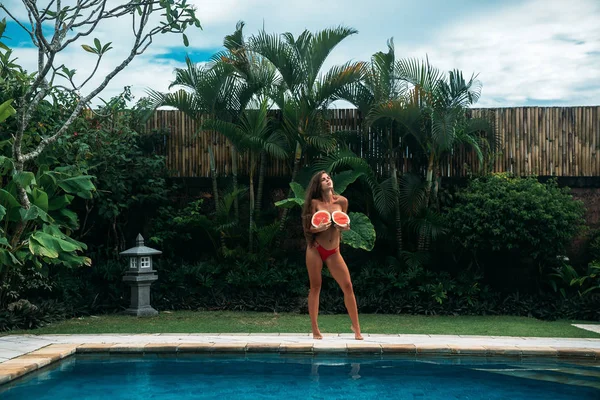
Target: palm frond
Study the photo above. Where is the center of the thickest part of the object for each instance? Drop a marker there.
(321, 45)
(229, 130)
(419, 73)
(443, 131)
(186, 102)
(280, 54)
(411, 194)
(385, 195)
(357, 94)
(321, 142)
(330, 86)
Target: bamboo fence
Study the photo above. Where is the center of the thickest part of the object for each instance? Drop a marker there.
(542, 141)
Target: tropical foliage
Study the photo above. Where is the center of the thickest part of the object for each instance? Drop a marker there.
(414, 245)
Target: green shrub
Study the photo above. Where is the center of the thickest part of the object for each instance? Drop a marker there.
(23, 314)
(516, 229)
(594, 246)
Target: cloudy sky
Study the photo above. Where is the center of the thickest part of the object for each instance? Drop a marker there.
(526, 52)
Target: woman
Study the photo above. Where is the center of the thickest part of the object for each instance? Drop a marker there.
(323, 244)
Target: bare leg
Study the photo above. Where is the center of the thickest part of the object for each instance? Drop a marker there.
(339, 271)
(314, 265)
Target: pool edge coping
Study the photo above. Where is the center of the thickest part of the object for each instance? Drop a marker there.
(20, 366)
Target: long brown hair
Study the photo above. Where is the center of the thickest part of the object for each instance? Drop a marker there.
(313, 191)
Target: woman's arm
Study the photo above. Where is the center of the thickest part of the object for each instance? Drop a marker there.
(344, 203)
(320, 228)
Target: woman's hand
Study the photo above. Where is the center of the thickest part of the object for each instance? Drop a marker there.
(322, 227)
(343, 227)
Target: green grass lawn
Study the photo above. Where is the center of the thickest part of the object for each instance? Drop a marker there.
(230, 322)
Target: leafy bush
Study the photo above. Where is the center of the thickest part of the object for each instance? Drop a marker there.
(515, 228)
(594, 245)
(96, 289)
(25, 315)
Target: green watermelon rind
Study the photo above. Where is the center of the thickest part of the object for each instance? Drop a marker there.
(312, 220)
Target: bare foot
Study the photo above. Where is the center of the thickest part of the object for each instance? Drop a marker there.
(357, 335)
(317, 335)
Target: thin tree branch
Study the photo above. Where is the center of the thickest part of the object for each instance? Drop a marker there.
(49, 140)
(30, 32)
(43, 16)
(91, 75)
(90, 30)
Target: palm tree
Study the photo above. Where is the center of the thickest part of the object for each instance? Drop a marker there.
(257, 76)
(206, 91)
(303, 93)
(253, 133)
(380, 86)
(433, 111)
(443, 101)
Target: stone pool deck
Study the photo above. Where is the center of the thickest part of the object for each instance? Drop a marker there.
(21, 354)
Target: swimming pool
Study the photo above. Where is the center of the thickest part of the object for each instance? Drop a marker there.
(288, 377)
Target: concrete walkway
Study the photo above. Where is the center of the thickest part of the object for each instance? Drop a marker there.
(20, 354)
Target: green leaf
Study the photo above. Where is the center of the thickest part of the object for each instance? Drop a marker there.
(298, 200)
(69, 218)
(106, 47)
(11, 204)
(7, 258)
(6, 110)
(361, 234)
(50, 242)
(24, 179)
(298, 190)
(6, 165)
(39, 249)
(186, 42)
(343, 179)
(33, 213)
(58, 202)
(2, 212)
(8, 200)
(81, 185)
(98, 45)
(40, 199)
(89, 49)
(74, 260)
(290, 203)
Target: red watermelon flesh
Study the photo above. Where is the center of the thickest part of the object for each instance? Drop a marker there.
(320, 217)
(340, 218)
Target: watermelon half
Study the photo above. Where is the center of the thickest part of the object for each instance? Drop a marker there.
(340, 218)
(320, 217)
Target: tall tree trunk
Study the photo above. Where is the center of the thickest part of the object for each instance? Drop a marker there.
(397, 213)
(422, 245)
(430, 169)
(251, 224)
(234, 172)
(261, 180)
(429, 183)
(436, 187)
(213, 175)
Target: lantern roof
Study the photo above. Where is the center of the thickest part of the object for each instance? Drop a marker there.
(140, 249)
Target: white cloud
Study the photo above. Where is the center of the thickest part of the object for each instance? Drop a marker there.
(525, 52)
(542, 51)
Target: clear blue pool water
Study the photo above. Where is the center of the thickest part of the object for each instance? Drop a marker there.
(305, 377)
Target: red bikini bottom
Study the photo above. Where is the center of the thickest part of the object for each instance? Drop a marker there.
(324, 253)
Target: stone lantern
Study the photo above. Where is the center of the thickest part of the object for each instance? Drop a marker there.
(140, 276)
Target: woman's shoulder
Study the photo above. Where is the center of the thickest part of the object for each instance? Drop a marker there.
(341, 199)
